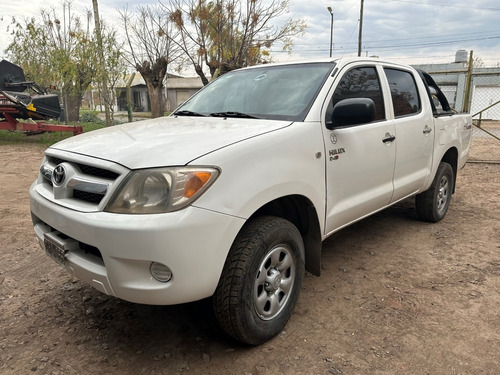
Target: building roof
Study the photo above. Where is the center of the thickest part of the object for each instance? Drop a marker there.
(173, 81)
(184, 83)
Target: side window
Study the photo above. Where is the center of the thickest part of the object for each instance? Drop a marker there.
(404, 93)
(359, 83)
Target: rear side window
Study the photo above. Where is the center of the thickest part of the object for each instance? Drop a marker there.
(404, 93)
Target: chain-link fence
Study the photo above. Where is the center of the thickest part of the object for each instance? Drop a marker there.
(477, 91)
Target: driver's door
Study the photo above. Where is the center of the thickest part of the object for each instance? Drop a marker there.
(360, 158)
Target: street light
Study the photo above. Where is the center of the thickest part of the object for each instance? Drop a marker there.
(331, 30)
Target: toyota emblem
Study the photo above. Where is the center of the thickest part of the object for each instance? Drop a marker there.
(58, 175)
(333, 138)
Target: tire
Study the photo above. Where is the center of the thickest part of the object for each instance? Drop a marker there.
(433, 203)
(261, 280)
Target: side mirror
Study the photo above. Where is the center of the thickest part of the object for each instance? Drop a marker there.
(353, 111)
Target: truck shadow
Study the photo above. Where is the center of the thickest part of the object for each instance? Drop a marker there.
(120, 334)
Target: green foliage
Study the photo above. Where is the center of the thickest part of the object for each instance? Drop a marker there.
(59, 49)
(91, 116)
(47, 138)
(50, 56)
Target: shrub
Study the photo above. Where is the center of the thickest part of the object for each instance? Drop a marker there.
(91, 116)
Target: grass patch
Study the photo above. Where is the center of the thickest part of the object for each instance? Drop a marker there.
(47, 138)
(89, 120)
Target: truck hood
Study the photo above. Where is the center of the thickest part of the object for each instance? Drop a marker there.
(165, 141)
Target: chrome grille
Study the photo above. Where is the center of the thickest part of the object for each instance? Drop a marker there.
(88, 169)
(84, 185)
(87, 197)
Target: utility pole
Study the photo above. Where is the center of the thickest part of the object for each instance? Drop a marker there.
(360, 37)
(331, 30)
(102, 66)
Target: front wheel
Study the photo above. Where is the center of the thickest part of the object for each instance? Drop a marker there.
(261, 280)
(433, 203)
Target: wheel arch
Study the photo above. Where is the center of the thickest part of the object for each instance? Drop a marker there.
(451, 157)
(300, 211)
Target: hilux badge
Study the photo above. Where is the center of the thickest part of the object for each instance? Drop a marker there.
(58, 175)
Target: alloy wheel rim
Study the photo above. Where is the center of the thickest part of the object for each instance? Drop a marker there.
(274, 282)
(443, 194)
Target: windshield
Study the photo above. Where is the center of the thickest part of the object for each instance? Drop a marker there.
(284, 92)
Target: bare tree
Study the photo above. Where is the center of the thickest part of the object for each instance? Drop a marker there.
(111, 72)
(230, 34)
(149, 34)
(104, 75)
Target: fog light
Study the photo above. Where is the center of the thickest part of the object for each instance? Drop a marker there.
(160, 272)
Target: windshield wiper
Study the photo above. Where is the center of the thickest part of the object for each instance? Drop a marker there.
(232, 114)
(188, 113)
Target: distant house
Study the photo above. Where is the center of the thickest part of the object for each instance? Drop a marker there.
(177, 91)
(180, 89)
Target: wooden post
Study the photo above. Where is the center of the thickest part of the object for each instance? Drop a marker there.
(129, 97)
(468, 84)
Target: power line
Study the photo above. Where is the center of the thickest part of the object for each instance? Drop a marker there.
(485, 33)
(445, 5)
(392, 47)
(442, 42)
(392, 43)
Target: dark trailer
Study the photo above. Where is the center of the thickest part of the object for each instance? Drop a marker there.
(24, 100)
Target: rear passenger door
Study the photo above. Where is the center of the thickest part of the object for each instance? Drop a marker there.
(359, 158)
(414, 126)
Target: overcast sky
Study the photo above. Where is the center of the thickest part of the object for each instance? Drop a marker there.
(409, 31)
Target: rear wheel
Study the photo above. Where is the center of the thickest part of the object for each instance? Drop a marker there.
(261, 280)
(433, 203)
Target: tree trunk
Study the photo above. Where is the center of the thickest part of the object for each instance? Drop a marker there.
(154, 75)
(199, 71)
(72, 107)
(102, 68)
(155, 93)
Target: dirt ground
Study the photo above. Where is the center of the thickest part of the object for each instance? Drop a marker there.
(397, 296)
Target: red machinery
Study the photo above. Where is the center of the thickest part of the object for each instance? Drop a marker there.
(16, 104)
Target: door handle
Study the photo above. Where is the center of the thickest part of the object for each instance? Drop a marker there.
(427, 130)
(388, 138)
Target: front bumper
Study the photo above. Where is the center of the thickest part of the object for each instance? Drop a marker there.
(192, 242)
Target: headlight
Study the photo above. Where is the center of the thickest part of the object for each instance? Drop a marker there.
(150, 191)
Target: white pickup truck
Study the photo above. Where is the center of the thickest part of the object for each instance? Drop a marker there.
(231, 196)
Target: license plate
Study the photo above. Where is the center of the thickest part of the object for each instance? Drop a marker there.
(55, 251)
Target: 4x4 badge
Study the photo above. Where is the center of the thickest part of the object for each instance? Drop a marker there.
(58, 175)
